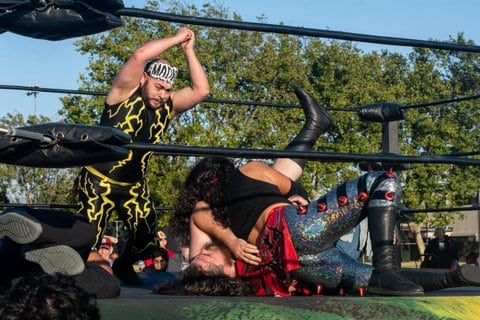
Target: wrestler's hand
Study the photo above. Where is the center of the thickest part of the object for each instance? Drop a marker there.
(298, 200)
(183, 34)
(188, 38)
(248, 253)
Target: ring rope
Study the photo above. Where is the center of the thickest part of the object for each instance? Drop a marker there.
(222, 101)
(462, 154)
(167, 149)
(163, 208)
(298, 31)
(188, 150)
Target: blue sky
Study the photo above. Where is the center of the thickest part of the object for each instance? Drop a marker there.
(55, 64)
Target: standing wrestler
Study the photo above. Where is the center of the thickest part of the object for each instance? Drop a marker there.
(141, 102)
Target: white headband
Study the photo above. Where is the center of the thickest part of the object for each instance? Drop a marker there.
(161, 71)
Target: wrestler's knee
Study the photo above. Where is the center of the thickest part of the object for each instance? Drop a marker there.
(384, 186)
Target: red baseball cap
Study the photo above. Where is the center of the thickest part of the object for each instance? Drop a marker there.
(106, 243)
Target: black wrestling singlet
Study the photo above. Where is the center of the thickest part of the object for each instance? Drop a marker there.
(120, 185)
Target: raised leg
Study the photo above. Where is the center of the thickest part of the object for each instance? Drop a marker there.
(317, 122)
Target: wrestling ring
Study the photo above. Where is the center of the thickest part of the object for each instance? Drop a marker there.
(59, 145)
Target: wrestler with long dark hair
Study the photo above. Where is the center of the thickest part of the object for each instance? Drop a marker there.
(284, 243)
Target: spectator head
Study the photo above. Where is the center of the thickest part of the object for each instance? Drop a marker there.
(440, 233)
(47, 297)
(472, 258)
(106, 248)
(160, 259)
(185, 250)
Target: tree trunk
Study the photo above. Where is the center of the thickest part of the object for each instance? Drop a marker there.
(416, 230)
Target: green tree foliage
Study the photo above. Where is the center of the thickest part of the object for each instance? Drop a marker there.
(446, 129)
(261, 67)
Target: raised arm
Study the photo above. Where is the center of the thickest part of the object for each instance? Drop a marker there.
(128, 79)
(199, 88)
(204, 228)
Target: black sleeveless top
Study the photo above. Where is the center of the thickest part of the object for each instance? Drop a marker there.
(143, 124)
(248, 198)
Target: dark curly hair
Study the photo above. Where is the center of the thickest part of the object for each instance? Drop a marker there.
(196, 282)
(43, 296)
(206, 182)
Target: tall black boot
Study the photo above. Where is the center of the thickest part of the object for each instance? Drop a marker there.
(317, 122)
(19, 227)
(123, 266)
(465, 276)
(24, 227)
(46, 227)
(386, 278)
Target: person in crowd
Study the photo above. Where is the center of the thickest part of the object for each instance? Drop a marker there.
(106, 250)
(160, 261)
(114, 254)
(141, 102)
(48, 297)
(53, 242)
(441, 252)
(162, 244)
(180, 261)
(472, 258)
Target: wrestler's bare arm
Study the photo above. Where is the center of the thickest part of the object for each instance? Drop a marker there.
(203, 228)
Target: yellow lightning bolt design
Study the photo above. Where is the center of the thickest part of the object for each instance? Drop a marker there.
(88, 188)
(123, 162)
(130, 117)
(157, 129)
(132, 208)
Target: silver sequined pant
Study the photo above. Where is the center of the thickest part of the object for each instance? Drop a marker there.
(315, 231)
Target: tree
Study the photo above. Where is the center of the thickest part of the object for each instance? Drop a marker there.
(262, 67)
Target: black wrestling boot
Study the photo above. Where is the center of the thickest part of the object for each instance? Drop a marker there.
(44, 228)
(124, 271)
(19, 227)
(317, 122)
(55, 259)
(465, 276)
(123, 268)
(386, 278)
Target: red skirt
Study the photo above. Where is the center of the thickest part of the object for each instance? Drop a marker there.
(272, 276)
